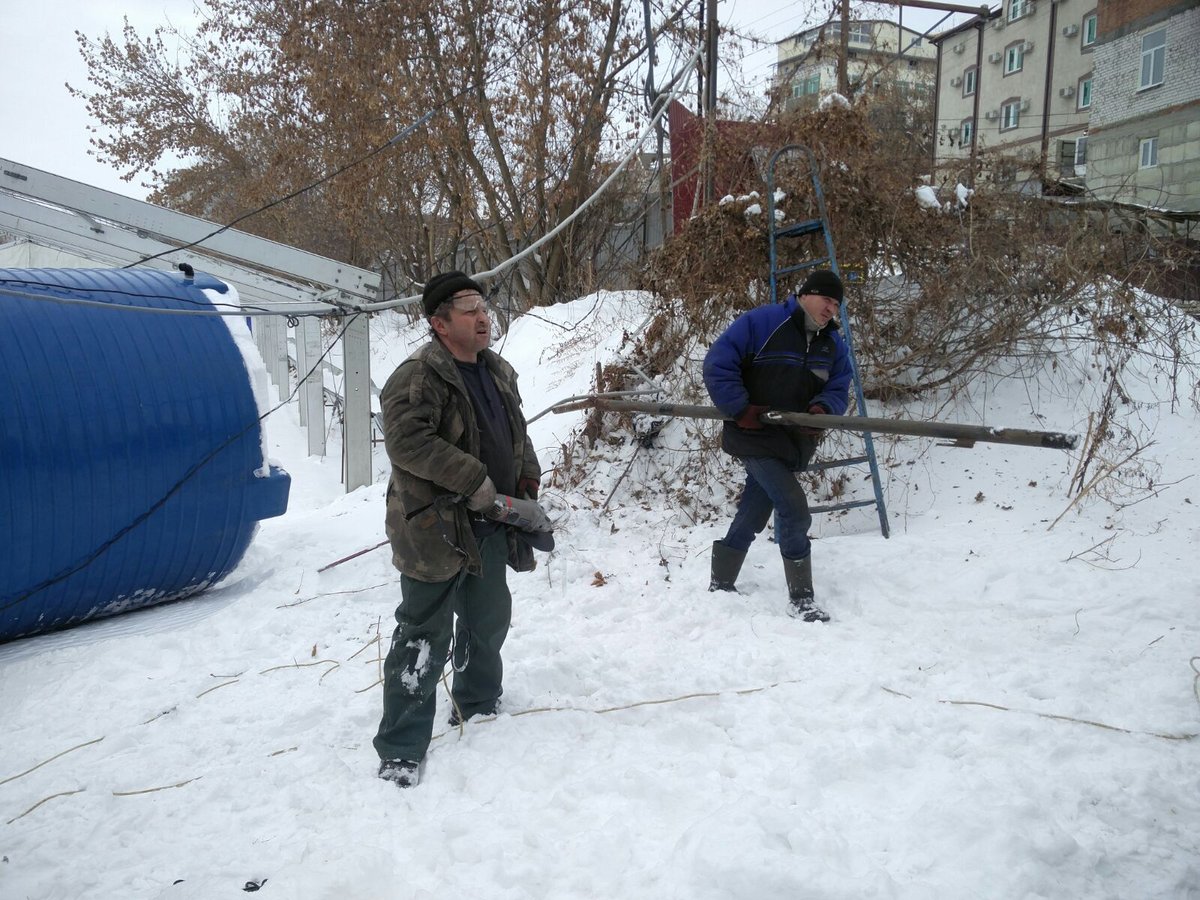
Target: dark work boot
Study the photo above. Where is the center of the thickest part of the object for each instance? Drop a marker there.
(400, 772)
(457, 718)
(726, 563)
(800, 590)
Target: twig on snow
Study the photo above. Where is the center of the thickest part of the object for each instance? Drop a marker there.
(362, 648)
(215, 686)
(40, 802)
(165, 787)
(330, 594)
(1187, 736)
(50, 760)
(319, 662)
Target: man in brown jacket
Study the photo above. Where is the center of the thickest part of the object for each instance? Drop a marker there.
(456, 438)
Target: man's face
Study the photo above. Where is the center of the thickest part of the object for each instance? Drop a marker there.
(468, 330)
(820, 309)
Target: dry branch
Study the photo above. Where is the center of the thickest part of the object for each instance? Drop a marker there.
(45, 800)
(165, 787)
(50, 760)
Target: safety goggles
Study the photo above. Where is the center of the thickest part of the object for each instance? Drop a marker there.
(471, 303)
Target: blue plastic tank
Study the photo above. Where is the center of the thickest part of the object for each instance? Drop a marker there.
(131, 460)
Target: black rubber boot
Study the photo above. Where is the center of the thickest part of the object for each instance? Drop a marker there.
(726, 563)
(800, 590)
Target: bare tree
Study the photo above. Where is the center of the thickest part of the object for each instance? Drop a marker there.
(270, 96)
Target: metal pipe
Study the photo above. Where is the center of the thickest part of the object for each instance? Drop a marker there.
(962, 435)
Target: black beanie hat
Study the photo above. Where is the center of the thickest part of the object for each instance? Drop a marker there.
(822, 282)
(442, 287)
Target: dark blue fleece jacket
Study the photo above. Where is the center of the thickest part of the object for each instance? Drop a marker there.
(765, 357)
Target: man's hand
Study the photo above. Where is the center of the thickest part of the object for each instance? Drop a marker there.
(528, 488)
(749, 417)
(815, 409)
(484, 497)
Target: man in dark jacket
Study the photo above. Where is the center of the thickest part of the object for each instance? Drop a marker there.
(456, 439)
(789, 357)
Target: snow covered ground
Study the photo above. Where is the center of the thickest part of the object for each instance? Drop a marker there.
(999, 708)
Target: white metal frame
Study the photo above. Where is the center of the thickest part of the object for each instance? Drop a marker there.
(272, 278)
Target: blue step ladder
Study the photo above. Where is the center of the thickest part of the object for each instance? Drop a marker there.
(820, 226)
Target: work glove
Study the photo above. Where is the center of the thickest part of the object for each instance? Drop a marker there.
(484, 496)
(749, 417)
(523, 514)
(528, 488)
(815, 409)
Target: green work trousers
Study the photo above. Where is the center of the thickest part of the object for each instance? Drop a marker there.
(421, 641)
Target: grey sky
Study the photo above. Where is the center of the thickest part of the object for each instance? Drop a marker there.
(43, 126)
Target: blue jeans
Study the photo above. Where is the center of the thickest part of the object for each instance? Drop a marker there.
(771, 485)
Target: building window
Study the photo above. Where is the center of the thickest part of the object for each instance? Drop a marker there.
(1089, 29)
(1080, 153)
(1148, 153)
(1085, 93)
(1017, 8)
(860, 32)
(970, 79)
(1154, 53)
(807, 86)
(1014, 57)
(966, 132)
(1010, 114)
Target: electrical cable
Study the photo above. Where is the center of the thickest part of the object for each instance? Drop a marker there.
(565, 223)
(404, 132)
(232, 312)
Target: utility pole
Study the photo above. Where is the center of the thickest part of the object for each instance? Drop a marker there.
(844, 51)
(711, 31)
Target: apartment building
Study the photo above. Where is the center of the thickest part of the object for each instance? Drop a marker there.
(1018, 82)
(879, 53)
(1144, 131)
(1099, 96)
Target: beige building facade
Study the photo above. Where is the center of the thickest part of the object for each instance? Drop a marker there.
(1018, 82)
(879, 52)
(1095, 96)
(1144, 134)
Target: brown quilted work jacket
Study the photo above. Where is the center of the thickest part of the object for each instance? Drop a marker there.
(432, 440)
